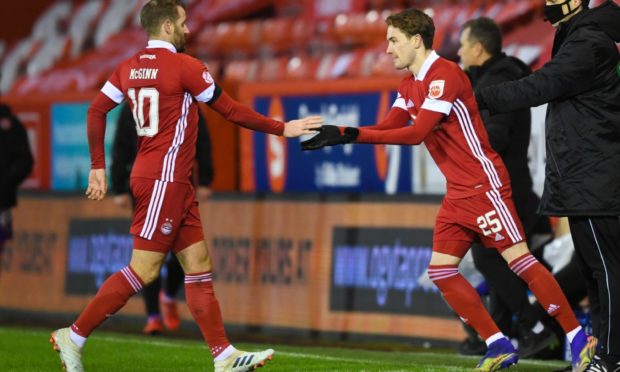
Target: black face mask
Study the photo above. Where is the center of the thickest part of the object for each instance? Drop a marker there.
(555, 13)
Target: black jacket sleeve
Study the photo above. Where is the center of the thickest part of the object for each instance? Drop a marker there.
(124, 151)
(568, 73)
(497, 125)
(22, 162)
(203, 153)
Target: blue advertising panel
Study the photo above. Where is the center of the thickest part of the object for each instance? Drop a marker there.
(96, 248)
(348, 168)
(70, 155)
(377, 270)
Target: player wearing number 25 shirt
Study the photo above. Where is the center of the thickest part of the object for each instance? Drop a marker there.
(436, 106)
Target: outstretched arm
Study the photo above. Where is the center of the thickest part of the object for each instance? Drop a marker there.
(396, 118)
(410, 135)
(568, 73)
(198, 81)
(248, 118)
(414, 134)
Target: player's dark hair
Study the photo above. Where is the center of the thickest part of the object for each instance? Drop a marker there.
(414, 22)
(486, 32)
(155, 12)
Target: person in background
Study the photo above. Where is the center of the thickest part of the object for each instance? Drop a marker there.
(16, 163)
(509, 134)
(581, 84)
(160, 303)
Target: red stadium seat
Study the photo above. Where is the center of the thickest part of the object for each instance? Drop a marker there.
(301, 67)
(276, 34)
(235, 38)
(272, 69)
(361, 29)
(243, 70)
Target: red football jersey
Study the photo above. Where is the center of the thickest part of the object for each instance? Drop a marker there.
(457, 141)
(162, 88)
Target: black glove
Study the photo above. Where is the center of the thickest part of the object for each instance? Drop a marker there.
(329, 135)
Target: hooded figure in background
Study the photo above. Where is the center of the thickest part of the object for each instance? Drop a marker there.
(581, 84)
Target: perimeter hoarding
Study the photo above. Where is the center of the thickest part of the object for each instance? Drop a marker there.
(285, 258)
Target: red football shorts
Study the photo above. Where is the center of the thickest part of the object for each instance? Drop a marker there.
(166, 216)
(489, 217)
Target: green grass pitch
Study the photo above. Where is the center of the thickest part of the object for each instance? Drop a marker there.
(28, 350)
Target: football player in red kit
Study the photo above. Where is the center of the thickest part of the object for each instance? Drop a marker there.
(162, 86)
(439, 101)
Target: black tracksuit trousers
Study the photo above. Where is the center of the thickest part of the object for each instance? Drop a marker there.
(597, 244)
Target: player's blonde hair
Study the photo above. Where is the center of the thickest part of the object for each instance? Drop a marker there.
(414, 22)
(155, 12)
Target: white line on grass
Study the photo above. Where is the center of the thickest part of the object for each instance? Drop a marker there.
(311, 356)
(195, 345)
(285, 353)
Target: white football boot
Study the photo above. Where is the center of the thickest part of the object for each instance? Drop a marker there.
(242, 361)
(70, 354)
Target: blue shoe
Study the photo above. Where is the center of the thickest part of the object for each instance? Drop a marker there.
(582, 350)
(500, 354)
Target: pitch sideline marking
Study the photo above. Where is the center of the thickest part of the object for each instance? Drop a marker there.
(190, 344)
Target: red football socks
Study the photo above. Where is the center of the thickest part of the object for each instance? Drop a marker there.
(546, 289)
(110, 298)
(205, 309)
(463, 299)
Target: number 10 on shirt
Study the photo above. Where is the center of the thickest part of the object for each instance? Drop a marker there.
(147, 128)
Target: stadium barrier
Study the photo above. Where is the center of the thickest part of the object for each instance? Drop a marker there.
(310, 263)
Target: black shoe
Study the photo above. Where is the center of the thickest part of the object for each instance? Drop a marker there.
(472, 346)
(598, 364)
(531, 343)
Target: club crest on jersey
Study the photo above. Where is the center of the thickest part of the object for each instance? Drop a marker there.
(435, 89)
(207, 77)
(166, 227)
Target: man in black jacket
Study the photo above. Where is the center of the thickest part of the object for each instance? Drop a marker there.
(124, 153)
(15, 165)
(582, 86)
(509, 133)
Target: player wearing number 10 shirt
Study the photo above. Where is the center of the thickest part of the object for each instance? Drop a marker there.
(163, 87)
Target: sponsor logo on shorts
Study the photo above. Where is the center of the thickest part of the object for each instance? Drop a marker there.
(166, 227)
(552, 308)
